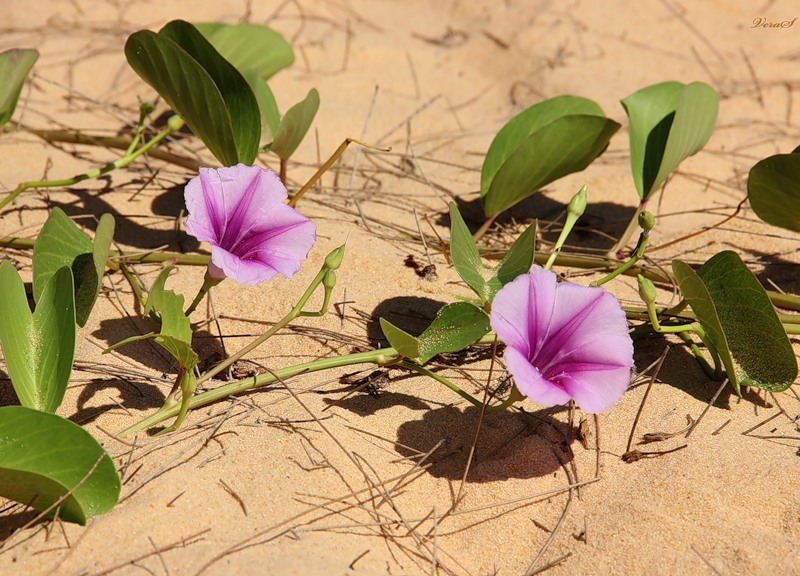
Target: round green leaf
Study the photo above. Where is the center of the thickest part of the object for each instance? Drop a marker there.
(239, 99)
(516, 131)
(456, 326)
(669, 122)
(187, 88)
(740, 322)
(249, 46)
(773, 188)
(43, 457)
(565, 145)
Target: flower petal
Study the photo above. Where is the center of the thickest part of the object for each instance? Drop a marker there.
(596, 388)
(530, 381)
(521, 315)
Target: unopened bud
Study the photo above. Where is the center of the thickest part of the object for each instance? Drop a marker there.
(175, 123)
(146, 108)
(334, 259)
(647, 290)
(329, 280)
(646, 221)
(577, 205)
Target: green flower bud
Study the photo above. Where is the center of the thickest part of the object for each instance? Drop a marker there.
(329, 280)
(334, 259)
(577, 205)
(175, 123)
(647, 290)
(146, 108)
(646, 221)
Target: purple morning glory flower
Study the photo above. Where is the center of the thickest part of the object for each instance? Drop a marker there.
(563, 341)
(253, 235)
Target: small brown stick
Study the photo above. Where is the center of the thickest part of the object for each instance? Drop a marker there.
(705, 560)
(359, 557)
(644, 398)
(160, 556)
(550, 564)
(234, 495)
(708, 406)
(718, 430)
(770, 419)
(636, 455)
(328, 163)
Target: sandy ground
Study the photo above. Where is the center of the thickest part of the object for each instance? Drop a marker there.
(327, 482)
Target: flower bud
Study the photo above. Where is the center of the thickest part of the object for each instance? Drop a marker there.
(646, 221)
(647, 290)
(577, 205)
(329, 280)
(334, 259)
(175, 123)
(146, 108)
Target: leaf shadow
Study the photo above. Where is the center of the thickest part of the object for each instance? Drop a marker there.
(410, 313)
(132, 395)
(511, 444)
(601, 223)
(129, 232)
(681, 370)
(147, 352)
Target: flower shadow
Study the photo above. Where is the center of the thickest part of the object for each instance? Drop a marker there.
(511, 444)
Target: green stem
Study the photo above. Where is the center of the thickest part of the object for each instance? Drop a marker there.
(635, 256)
(119, 163)
(380, 357)
(208, 284)
(293, 313)
(116, 142)
(575, 209)
(615, 252)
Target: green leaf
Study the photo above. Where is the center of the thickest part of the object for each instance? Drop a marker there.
(176, 329)
(39, 347)
(210, 95)
(240, 101)
(465, 256)
(249, 46)
(549, 140)
(15, 65)
(518, 261)
(520, 127)
(270, 117)
(405, 344)
(773, 188)
(61, 243)
(740, 322)
(295, 124)
(669, 122)
(43, 457)
(456, 326)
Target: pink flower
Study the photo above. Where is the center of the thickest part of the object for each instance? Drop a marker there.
(253, 235)
(563, 341)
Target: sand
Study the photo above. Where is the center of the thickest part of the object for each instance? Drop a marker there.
(326, 481)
